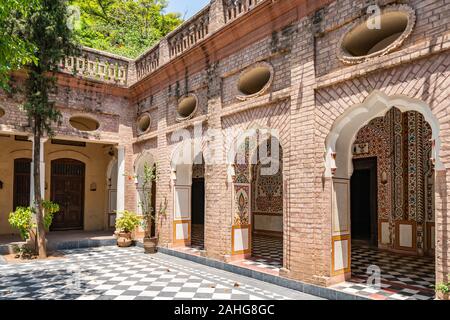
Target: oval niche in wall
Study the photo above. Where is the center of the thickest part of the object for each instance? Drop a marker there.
(84, 123)
(143, 123)
(254, 80)
(186, 107)
(365, 40)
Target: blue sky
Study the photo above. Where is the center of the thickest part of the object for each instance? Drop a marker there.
(187, 8)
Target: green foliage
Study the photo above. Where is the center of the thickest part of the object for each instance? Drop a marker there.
(47, 29)
(443, 288)
(22, 218)
(128, 221)
(50, 208)
(124, 27)
(15, 51)
(149, 175)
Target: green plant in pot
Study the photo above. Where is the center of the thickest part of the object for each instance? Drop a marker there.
(125, 225)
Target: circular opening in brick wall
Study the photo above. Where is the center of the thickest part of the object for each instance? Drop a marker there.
(377, 36)
(143, 123)
(187, 107)
(2, 112)
(83, 123)
(255, 81)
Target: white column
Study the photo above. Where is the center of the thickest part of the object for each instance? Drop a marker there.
(120, 179)
(42, 168)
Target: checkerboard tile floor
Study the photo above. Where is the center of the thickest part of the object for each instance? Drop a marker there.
(402, 277)
(268, 248)
(112, 273)
(267, 255)
(267, 252)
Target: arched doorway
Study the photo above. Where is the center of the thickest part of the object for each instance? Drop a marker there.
(267, 207)
(382, 162)
(187, 165)
(67, 190)
(258, 191)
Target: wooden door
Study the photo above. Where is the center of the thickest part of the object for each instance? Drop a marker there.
(67, 190)
(22, 171)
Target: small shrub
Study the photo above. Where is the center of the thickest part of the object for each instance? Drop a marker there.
(443, 288)
(127, 222)
(23, 252)
(50, 208)
(22, 218)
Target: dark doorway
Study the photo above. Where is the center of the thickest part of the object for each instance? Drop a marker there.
(198, 212)
(198, 201)
(22, 172)
(67, 190)
(364, 221)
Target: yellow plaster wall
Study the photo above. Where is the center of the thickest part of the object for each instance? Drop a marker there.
(94, 156)
(9, 151)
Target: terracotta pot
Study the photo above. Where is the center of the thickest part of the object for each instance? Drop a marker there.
(150, 245)
(124, 239)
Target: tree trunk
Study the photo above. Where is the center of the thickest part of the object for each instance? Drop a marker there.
(40, 228)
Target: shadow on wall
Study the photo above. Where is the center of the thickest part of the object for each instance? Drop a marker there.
(429, 92)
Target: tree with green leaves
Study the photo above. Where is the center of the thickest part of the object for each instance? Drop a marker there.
(15, 52)
(124, 27)
(47, 30)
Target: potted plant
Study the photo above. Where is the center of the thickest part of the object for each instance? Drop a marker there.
(149, 217)
(125, 225)
(443, 290)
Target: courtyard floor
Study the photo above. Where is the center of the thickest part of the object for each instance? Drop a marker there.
(112, 273)
(403, 277)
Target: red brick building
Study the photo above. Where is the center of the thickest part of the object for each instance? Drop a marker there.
(356, 96)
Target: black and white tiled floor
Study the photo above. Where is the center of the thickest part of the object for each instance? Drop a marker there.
(402, 277)
(129, 274)
(269, 248)
(267, 252)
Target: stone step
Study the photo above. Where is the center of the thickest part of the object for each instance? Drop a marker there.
(63, 245)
